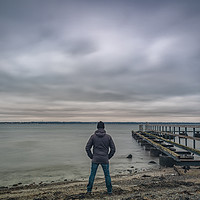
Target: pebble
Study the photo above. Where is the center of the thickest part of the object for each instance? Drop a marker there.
(152, 162)
(146, 175)
(2, 188)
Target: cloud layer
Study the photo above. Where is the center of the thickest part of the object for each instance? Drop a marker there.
(99, 60)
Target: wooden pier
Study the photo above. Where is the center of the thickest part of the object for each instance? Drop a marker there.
(160, 140)
(180, 131)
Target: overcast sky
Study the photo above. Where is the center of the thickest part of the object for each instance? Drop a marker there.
(91, 60)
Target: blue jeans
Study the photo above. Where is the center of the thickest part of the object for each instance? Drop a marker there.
(105, 168)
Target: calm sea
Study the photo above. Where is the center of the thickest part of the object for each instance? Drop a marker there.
(55, 152)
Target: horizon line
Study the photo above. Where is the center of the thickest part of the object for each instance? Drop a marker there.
(96, 122)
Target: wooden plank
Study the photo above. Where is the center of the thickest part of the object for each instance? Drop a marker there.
(195, 151)
(165, 150)
(181, 136)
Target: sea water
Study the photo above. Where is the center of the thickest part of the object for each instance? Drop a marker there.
(56, 152)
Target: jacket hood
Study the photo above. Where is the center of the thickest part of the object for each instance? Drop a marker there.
(100, 132)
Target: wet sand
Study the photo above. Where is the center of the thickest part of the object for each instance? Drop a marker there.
(162, 184)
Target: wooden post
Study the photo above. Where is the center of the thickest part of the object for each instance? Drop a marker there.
(194, 145)
(179, 131)
(174, 134)
(186, 130)
(186, 135)
(141, 127)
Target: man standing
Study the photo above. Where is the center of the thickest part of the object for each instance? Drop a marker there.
(103, 150)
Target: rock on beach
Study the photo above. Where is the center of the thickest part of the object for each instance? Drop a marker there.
(129, 156)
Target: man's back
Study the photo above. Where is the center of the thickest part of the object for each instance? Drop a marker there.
(101, 143)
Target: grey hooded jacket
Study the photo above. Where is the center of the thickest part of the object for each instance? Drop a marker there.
(103, 147)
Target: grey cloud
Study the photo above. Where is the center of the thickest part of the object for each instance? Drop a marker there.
(97, 51)
(79, 47)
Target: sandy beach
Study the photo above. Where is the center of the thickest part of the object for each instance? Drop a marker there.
(163, 184)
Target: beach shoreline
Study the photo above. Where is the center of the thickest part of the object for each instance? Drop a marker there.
(165, 183)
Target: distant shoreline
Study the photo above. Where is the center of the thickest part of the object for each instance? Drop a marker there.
(77, 122)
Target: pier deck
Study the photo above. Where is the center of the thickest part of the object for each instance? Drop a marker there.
(170, 152)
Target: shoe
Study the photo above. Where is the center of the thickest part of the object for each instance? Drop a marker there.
(88, 193)
(109, 193)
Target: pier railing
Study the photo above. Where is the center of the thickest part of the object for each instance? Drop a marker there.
(181, 131)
